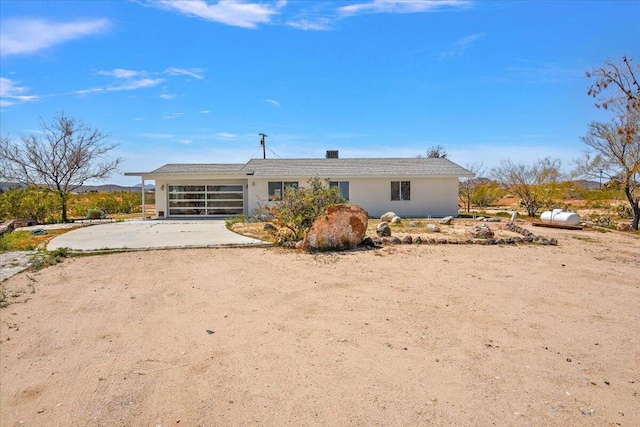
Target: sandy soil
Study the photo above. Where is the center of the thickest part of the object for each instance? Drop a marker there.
(405, 335)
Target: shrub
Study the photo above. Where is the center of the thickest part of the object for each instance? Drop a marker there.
(301, 206)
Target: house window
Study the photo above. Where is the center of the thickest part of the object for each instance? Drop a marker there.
(343, 186)
(276, 189)
(400, 190)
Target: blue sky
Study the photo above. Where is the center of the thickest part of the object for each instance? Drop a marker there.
(196, 81)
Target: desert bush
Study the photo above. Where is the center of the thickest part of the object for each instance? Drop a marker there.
(32, 202)
(485, 194)
(113, 203)
(301, 206)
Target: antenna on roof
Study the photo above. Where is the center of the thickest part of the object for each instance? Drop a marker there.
(263, 144)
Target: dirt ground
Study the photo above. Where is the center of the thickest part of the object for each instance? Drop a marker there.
(400, 336)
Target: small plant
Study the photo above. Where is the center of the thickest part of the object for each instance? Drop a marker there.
(299, 207)
(240, 218)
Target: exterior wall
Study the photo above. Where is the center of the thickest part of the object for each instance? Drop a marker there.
(430, 197)
(162, 189)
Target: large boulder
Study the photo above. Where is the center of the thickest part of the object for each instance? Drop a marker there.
(383, 229)
(433, 228)
(446, 220)
(387, 217)
(340, 227)
(481, 232)
(396, 220)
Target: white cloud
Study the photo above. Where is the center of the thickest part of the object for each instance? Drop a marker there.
(401, 6)
(226, 135)
(125, 80)
(307, 25)
(135, 84)
(204, 111)
(167, 96)
(25, 36)
(237, 13)
(121, 73)
(184, 141)
(274, 103)
(12, 94)
(461, 46)
(196, 73)
(171, 116)
(157, 135)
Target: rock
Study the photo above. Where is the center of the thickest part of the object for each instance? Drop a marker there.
(377, 241)
(395, 240)
(417, 240)
(553, 242)
(433, 228)
(383, 229)
(412, 224)
(396, 220)
(500, 241)
(285, 235)
(481, 232)
(339, 227)
(447, 220)
(367, 241)
(407, 240)
(388, 217)
(492, 220)
(623, 226)
(480, 218)
(270, 228)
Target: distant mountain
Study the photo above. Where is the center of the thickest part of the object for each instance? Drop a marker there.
(107, 188)
(589, 185)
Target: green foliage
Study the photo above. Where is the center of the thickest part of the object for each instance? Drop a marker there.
(43, 205)
(301, 206)
(30, 203)
(112, 203)
(484, 195)
(17, 241)
(240, 218)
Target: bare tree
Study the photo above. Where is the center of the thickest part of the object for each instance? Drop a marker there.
(626, 93)
(67, 155)
(614, 152)
(468, 186)
(531, 183)
(613, 148)
(434, 152)
(437, 152)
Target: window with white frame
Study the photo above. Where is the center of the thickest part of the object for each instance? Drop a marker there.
(277, 188)
(400, 190)
(343, 186)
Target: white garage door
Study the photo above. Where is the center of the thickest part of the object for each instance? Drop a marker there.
(206, 200)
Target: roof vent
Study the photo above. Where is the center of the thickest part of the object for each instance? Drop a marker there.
(332, 154)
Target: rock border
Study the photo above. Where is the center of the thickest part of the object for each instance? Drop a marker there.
(528, 237)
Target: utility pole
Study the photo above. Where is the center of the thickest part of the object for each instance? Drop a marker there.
(264, 146)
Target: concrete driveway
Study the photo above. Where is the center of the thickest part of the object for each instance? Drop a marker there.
(151, 235)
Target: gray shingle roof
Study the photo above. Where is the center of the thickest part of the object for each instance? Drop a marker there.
(378, 167)
(202, 168)
(332, 168)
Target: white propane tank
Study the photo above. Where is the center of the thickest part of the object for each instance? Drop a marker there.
(558, 216)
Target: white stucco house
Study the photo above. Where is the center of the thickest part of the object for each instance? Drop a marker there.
(410, 187)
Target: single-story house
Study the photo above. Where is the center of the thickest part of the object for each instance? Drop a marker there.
(410, 187)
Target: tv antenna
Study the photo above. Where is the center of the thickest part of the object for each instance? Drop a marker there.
(263, 145)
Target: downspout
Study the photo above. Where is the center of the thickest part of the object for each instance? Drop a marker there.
(144, 211)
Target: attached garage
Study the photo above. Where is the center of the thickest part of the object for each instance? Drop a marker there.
(205, 200)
